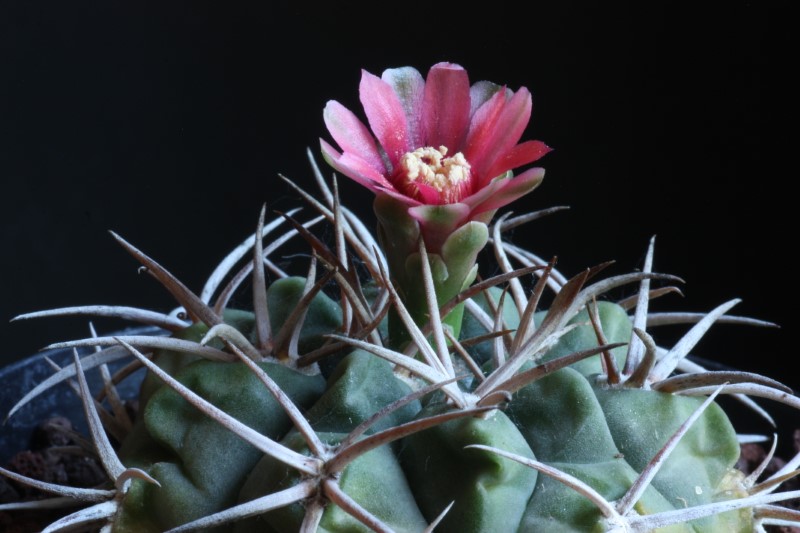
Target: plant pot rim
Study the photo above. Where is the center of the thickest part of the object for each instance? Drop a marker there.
(20, 377)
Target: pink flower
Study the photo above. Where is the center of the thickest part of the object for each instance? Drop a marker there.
(441, 147)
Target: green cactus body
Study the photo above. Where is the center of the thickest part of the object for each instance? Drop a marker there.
(490, 492)
(568, 419)
(365, 481)
(210, 463)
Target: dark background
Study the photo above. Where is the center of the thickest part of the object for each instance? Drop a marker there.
(169, 121)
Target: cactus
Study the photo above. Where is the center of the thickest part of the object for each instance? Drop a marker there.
(388, 388)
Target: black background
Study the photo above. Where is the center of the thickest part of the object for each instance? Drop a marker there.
(169, 121)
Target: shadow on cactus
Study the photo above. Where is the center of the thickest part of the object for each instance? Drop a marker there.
(391, 388)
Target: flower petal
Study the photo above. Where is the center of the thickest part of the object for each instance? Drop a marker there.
(494, 133)
(479, 94)
(385, 114)
(481, 127)
(409, 86)
(446, 106)
(428, 194)
(352, 166)
(520, 155)
(397, 195)
(351, 134)
(505, 190)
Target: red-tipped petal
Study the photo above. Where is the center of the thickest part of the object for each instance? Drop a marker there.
(353, 167)
(409, 86)
(481, 128)
(495, 138)
(506, 190)
(479, 94)
(446, 106)
(397, 195)
(385, 114)
(428, 194)
(351, 134)
(520, 155)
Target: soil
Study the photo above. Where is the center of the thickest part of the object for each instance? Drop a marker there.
(57, 455)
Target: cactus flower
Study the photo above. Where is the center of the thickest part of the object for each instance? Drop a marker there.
(443, 149)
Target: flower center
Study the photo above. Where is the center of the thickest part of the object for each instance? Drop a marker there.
(430, 166)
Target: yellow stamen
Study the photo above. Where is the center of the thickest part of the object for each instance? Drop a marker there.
(430, 166)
